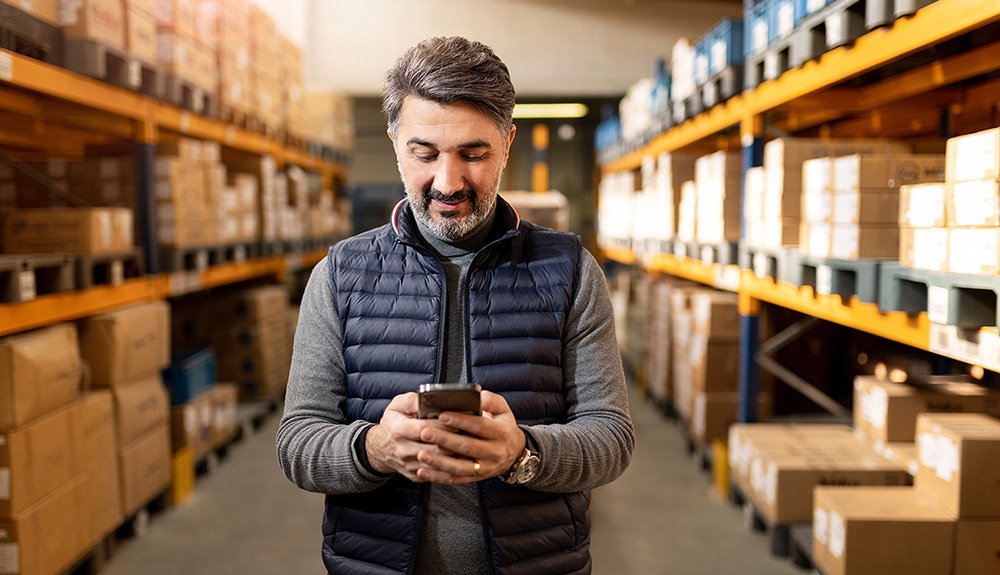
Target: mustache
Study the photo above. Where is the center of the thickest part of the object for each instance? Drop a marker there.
(459, 196)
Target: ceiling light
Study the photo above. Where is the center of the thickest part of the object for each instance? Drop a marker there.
(570, 110)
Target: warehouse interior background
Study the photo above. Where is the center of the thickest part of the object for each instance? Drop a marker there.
(796, 204)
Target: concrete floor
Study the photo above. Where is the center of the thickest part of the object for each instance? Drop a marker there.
(661, 517)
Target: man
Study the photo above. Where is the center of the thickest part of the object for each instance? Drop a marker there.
(455, 289)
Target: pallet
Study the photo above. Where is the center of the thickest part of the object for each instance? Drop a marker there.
(779, 535)
(27, 35)
(114, 66)
(25, 277)
(964, 301)
(829, 276)
(800, 546)
(108, 269)
(722, 85)
(726, 253)
(200, 258)
(769, 262)
(183, 93)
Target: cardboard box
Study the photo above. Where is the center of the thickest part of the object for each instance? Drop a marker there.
(191, 425)
(99, 20)
(858, 172)
(71, 230)
(714, 365)
(47, 10)
(40, 372)
(924, 248)
(715, 412)
(977, 546)
(815, 239)
(887, 412)
(923, 205)
(50, 536)
(975, 203)
(176, 54)
(974, 251)
(716, 315)
(99, 438)
(256, 303)
(38, 459)
(140, 406)
(176, 17)
(865, 207)
(873, 530)
(225, 413)
(958, 454)
(853, 241)
(127, 345)
(795, 151)
(140, 35)
(973, 156)
(145, 468)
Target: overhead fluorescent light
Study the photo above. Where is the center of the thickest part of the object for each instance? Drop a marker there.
(568, 110)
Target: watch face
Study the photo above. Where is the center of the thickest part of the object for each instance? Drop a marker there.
(529, 469)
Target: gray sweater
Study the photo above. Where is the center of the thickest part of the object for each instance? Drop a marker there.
(315, 441)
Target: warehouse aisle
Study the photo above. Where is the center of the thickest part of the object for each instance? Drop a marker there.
(660, 517)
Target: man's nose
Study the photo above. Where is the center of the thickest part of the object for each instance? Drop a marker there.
(450, 175)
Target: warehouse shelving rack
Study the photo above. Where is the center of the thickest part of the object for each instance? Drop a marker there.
(51, 110)
(909, 79)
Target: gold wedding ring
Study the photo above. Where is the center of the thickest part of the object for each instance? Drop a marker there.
(475, 468)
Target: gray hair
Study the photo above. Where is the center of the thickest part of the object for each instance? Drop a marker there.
(447, 70)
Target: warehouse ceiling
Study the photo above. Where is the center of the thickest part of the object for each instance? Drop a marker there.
(554, 48)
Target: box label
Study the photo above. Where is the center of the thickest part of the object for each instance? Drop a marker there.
(5, 483)
(821, 526)
(937, 304)
(838, 534)
(938, 453)
(10, 558)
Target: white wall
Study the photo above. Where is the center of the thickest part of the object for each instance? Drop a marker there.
(552, 47)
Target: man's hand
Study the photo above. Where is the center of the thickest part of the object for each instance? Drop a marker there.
(445, 450)
(486, 447)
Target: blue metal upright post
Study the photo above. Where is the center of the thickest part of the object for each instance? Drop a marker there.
(749, 374)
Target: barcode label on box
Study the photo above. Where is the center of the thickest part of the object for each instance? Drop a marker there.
(6, 67)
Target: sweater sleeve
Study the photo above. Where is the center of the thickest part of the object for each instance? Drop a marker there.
(595, 445)
(315, 443)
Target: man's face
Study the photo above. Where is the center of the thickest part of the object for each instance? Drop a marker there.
(451, 158)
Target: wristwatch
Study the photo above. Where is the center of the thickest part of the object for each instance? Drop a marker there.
(525, 468)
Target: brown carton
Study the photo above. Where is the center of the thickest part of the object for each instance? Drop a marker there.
(39, 458)
(858, 172)
(100, 446)
(140, 407)
(887, 412)
(879, 530)
(72, 230)
(256, 303)
(716, 315)
(40, 372)
(957, 455)
(923, 205)
(140, 34)
(977, 546)
(225, 420)
(973, 156)
(145, 467)
(99, 20)
(50, 536)
(128, 344)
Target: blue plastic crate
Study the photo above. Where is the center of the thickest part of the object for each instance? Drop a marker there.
(191, 372)
(726, 47)
(702, 50)
(757, 35)
(784, 17)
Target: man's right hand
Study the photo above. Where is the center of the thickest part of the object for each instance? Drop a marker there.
(393, 444)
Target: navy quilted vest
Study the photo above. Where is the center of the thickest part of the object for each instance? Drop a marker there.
(390, 296)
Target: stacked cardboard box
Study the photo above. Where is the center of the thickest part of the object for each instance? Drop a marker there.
(126, 350)
(291, 73)
(185, 43)
(207, 422)
(955, 227)
(326, 118)
(948, 522)
(100, 21)
(885, 412)
(271, 196)
(140, 29)
(188, 189)
(44, 453)
(719, 178)
(774, 220)
(659, 359)
(254, 350)
(232, 18)
(265, 68)
(777, 466)
(850, 204)
(70, 230)
(687, 212)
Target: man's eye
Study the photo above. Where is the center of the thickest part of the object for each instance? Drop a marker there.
(473, 158)
(426, 159)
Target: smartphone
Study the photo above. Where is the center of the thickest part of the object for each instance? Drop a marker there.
(437, 397)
